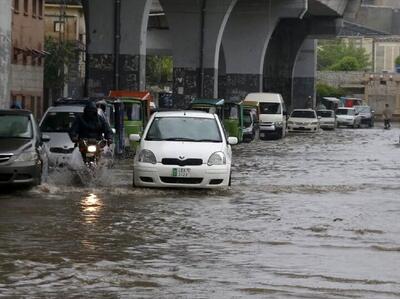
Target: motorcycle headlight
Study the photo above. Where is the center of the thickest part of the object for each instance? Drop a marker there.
(217, 158)
(146, 156)
(27, 157)
(92, 148)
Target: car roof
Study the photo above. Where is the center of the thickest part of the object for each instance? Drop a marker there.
(184, 113)
(330, 110)
(66, 108)
(15, 112)
(346, 108)
(264, 97)
(303, 110)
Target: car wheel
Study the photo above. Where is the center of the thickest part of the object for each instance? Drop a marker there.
(133, 180)
(230, 180)
(354, 125)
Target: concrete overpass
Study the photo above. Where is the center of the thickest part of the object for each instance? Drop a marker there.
(220, 48)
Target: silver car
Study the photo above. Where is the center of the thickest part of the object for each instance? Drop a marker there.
(348, 117)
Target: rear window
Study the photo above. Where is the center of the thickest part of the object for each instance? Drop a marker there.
(59, 122)
(270, 108)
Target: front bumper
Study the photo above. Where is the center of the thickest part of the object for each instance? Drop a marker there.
(345, 122)
(302, 128)
(327, 125)
(159, 175)
(20, 173)
(59, 160)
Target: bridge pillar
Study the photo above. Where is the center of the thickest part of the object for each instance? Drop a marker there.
(196, 29)
(104, 72)
(304, 74)
(245, 41)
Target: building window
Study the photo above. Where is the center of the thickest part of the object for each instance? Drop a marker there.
(40, 9)
(34, 8)
(26, 7)
(16, 6)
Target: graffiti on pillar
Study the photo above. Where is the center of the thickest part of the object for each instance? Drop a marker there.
(185, 86)
(129, 66)
(239, 85)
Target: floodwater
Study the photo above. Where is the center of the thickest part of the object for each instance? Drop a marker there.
(310, 216)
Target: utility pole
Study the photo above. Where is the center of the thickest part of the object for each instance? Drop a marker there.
(117, 41)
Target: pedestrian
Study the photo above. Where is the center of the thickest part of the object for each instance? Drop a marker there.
(387, 116)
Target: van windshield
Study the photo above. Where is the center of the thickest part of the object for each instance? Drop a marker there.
(270, 108)
(60, 122)
(303, 114)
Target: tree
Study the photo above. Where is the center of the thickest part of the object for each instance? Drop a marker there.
(159, 70)
(397, 61)
(333, 54)
(325, 90)
(60, 57)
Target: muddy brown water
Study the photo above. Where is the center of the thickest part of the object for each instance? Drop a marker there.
(310, 216)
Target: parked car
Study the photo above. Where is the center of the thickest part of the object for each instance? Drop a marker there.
(367, 115)
(56, 123)
(303, 120)
(272, 118)
(183, 149)
(347, 116)
(327, 119)
(23, 157)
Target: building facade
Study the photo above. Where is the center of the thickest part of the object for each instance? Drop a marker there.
(65, 22)
(27, 66)
(5, 52)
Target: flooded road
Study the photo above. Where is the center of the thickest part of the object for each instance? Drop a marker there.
(310, 216)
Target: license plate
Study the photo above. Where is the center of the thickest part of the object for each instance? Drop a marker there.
(181, 172)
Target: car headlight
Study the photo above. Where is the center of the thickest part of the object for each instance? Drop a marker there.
(314, 123)
(278, 123)
(27, 157)
(92, 148)
(147, 156)
(217, 158)
(290, 123)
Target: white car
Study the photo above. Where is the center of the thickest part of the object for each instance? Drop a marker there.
(56, 123)
(303, 120)
(183, 149)
(327, 119)
(348, 117)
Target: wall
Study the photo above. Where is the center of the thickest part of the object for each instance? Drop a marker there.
(341, 79)
(5, 52)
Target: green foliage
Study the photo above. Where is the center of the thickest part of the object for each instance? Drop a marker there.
(61, 55)
(397, 61)
(340, 56)
(347, 63)
(159, 70)
(325, 90)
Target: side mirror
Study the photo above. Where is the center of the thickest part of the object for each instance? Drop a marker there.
(372, 111)
(134, 137)
(45, 138)
(233, 140)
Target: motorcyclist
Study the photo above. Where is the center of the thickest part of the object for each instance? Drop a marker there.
(387, 116)
(91, 125)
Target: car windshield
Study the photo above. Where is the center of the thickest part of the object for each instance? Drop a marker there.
(303, 114)
(325, 113)
(184, 129)
(363, 109)
(15, 126)
(345, 112)
(59, 122)
(270, 108)
(133, 111)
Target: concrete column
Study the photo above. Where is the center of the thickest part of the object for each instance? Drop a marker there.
(101, 41)
(304, 74)
(245, 41)
(5, 53)
(196, 29)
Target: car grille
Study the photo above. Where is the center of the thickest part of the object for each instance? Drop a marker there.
(301, 129)
(187, 162)
(175, 180)
(5, 157)
(60, 150)
(5, 177)
(300, 124)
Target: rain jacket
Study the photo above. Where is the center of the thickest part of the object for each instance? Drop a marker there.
(90, 125)
(387, 113)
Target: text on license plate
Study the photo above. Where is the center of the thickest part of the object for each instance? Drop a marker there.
(181, 172)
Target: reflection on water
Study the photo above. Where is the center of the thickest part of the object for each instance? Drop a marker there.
(91, 208)
(310, 216)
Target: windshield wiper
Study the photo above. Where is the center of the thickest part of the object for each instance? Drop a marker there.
(179, 139)
(207, 140)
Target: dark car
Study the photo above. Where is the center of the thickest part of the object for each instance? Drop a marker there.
(23, 157)
(367, 115)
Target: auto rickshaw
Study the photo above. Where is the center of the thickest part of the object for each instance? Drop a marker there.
(209, 105)
(233, 120)
(251, 113)
(137, 110)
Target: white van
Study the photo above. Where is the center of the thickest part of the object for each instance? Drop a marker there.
(272, 120)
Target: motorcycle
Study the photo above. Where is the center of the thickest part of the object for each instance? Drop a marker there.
(91, 151)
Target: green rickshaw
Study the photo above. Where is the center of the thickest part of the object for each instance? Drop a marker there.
(209, 105)
(233, 120)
